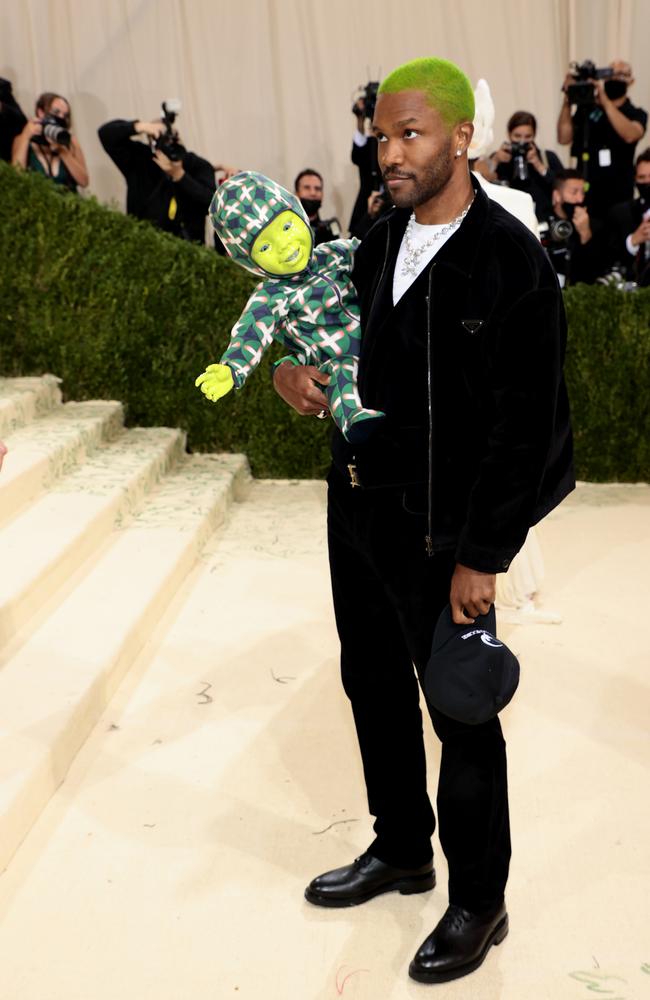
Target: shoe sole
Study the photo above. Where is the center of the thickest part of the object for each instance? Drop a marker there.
(497, 936)
(406, 887)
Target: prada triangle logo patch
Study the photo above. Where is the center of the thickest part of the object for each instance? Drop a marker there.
(472, 325)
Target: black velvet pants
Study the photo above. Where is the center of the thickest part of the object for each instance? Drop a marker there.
(387, 597)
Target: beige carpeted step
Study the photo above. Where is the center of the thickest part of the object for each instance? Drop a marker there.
(49, 540)
(55, 681)
(48, 447)
(25, 399)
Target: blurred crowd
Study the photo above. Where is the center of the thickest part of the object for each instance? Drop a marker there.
(593, 217)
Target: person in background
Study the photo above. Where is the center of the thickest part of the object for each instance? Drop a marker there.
(578, 250)
(605, 129)
(628, 227)
(521, 164)
(222, 173)
(378, 205)
(308, 186)
(165, 184)
(364, 156)
(12, 119)
(518, 203)
(47, 145)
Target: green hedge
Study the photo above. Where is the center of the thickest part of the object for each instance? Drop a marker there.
(120, 310)
(608, 378)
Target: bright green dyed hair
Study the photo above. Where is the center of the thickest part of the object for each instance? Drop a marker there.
(445, 87)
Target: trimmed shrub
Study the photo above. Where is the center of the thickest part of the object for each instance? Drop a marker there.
(120, 310)
(608, 378)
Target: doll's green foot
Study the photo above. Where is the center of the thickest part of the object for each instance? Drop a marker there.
(361, 425)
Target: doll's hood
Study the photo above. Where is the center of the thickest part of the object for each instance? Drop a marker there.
(242, 206)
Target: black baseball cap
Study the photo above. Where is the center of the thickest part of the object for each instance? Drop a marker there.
(471, 675)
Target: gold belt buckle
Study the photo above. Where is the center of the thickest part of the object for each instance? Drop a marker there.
(354, 479)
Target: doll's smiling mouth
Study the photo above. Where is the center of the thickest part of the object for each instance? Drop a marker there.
(294, 256)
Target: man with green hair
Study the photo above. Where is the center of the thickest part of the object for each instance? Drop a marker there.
(463, 338)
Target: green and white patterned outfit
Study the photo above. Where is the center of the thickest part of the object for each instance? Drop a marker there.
(314, 313)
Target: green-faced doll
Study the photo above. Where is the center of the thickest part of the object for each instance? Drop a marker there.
(306, 299)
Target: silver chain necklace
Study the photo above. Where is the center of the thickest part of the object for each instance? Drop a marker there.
(413, 253)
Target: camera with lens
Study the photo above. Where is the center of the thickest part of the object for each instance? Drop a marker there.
(558, 231)
(518, 151)
(584, 73)
(554, 235)
(520, 148)
(168, 142)
(368, 95)
(55, 129)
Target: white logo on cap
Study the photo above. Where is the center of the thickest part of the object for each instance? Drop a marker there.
(489, 640)
(486, 637)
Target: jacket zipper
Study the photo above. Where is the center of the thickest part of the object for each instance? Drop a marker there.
(429, 536)
(352, 467)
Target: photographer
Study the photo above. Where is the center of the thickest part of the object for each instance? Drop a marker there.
(603, 130)
(47, 145)
(628, 227)
(12, 119)
(364, 156)
(377, 205)
(308, 186)
(521, 164)
(572, 239)
(165, 184)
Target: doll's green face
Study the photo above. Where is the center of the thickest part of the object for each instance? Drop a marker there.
(284, 246)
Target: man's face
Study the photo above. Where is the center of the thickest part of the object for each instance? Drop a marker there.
(284, 246)
(311, 187)
(573, 191)
(642, 174)
(622, 71)
(414, 148)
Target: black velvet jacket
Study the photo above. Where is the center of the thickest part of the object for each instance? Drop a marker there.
(468, 369)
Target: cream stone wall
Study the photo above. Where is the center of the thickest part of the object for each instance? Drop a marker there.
(267, 84)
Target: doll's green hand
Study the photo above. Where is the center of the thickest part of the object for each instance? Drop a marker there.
(215, 382)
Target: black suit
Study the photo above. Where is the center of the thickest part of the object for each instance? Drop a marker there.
(475, 448)
(370, 179)
(622, 221)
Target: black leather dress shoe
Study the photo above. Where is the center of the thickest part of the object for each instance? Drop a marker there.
(365, 878)
(458, 944)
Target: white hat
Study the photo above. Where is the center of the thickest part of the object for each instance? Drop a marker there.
(483, 121)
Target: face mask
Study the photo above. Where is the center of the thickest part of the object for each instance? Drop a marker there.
(311, 205)
(569, 209)
(644, 192)
(615, 89)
